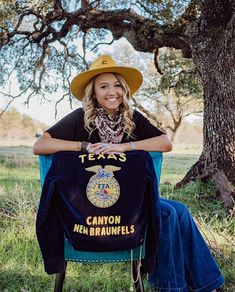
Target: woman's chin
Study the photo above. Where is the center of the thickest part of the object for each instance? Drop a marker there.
(112, 108)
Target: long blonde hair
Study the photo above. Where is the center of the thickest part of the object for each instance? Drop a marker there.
(90, 104)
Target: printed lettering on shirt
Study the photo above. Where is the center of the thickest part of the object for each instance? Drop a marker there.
(103, 191)
(93, 157)
(104, 226)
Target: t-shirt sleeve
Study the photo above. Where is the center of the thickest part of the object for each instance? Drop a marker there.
(67, 127)
(144, 129)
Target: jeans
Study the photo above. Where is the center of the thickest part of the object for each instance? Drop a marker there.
(184, 261)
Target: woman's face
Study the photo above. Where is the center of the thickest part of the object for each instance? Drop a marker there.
(108, 92)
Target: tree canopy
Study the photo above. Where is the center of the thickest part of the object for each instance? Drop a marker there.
(41, 40)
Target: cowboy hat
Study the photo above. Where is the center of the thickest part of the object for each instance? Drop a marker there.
(105, 64)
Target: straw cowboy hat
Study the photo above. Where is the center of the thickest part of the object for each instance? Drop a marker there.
(105, 64)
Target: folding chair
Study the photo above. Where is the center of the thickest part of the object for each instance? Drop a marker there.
(102, 257)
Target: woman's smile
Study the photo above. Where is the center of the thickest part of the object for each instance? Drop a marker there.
(108, 92)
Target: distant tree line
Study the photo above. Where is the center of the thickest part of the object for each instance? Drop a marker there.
(15, 125)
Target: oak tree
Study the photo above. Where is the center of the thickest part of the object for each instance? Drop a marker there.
(42, 36)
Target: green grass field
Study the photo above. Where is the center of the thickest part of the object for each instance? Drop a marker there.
(21, 267)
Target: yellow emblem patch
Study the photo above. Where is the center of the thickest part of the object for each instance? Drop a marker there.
(103, 189)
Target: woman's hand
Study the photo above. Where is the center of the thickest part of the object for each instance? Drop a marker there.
(108, 148)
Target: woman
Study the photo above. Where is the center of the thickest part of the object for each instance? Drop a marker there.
(107, 124)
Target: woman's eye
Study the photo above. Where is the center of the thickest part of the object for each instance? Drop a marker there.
(106, 86)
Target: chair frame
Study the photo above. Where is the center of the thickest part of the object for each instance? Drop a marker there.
(137, 279)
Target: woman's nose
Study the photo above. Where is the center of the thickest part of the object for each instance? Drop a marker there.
(112, 90)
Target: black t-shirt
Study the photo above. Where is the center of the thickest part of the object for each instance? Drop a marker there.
(71, 128)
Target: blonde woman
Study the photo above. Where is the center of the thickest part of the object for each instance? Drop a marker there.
(108, 124)
(106, 116)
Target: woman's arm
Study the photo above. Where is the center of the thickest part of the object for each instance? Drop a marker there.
(159, 143)
(48, 145)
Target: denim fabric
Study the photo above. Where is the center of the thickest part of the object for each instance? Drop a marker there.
(184, 260)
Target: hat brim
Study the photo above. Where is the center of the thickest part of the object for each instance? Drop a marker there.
(132, 76)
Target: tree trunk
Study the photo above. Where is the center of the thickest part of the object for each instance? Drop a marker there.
(213, 53)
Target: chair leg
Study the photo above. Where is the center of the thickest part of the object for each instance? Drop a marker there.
(59, 280)
(137, 276)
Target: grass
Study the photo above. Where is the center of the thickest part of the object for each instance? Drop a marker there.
(21, 267)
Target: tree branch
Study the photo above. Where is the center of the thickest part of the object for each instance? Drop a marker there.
(108, 43)
(13, 97)
(190, 14)
(144, 34)
(156, 51)
(127, 23)
(145, 111)
(17, 62)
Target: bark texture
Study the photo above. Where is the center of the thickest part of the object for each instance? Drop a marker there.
(213, 52)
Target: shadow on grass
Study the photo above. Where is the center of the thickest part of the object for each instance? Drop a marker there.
(79, 277)
(21, 279)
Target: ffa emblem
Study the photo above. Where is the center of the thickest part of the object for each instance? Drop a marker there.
(103, 189)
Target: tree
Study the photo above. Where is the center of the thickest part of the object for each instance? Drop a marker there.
(166, 98)
(179, 87)
(203, 32)
(16, 126)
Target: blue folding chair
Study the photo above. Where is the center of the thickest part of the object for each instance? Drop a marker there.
(101, 257)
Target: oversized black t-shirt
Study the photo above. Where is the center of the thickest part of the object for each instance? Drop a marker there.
(71, 128)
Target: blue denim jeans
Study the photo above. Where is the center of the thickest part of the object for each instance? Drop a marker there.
(184, 260)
